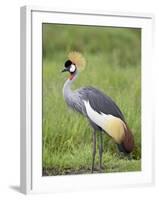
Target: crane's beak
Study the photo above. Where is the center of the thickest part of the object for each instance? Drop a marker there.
(64, 70)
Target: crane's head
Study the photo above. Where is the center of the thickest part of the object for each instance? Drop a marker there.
(75, 63)
(71, 68)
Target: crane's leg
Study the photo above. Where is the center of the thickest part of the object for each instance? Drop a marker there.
(94, 149)
(100, 150)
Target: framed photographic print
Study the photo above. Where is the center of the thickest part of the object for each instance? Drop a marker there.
(86, 100)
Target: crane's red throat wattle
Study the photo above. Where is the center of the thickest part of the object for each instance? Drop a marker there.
(71, 76)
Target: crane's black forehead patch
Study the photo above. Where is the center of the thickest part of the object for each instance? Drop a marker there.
(68, 63)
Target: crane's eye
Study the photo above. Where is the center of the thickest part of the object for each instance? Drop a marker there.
(72, 68)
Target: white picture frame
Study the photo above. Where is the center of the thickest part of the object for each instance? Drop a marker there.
(31, 100)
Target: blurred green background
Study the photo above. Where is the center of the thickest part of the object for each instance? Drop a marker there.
(113, 58)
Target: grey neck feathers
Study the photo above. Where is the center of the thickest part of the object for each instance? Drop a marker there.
(73, 98)
(67, 91)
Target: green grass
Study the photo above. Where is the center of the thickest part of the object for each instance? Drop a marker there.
(113, 66)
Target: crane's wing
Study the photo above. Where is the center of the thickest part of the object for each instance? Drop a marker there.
(99, 101)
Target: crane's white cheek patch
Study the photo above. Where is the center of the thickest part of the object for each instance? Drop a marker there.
(72, 68)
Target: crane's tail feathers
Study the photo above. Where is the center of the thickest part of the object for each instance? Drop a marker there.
(127, 144)
(128, 140)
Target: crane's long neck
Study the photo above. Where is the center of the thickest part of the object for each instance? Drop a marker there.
(67, 90)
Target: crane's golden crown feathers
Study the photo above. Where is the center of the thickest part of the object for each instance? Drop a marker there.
(78, 59)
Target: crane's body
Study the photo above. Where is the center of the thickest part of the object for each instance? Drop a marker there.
(101, 111)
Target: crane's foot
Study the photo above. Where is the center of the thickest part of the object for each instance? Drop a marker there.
(101, 168)
(92, 168)
(95, 170)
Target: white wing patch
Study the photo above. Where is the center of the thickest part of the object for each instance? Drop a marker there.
(98, 119)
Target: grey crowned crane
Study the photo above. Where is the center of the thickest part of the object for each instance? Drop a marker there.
(100, 110)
